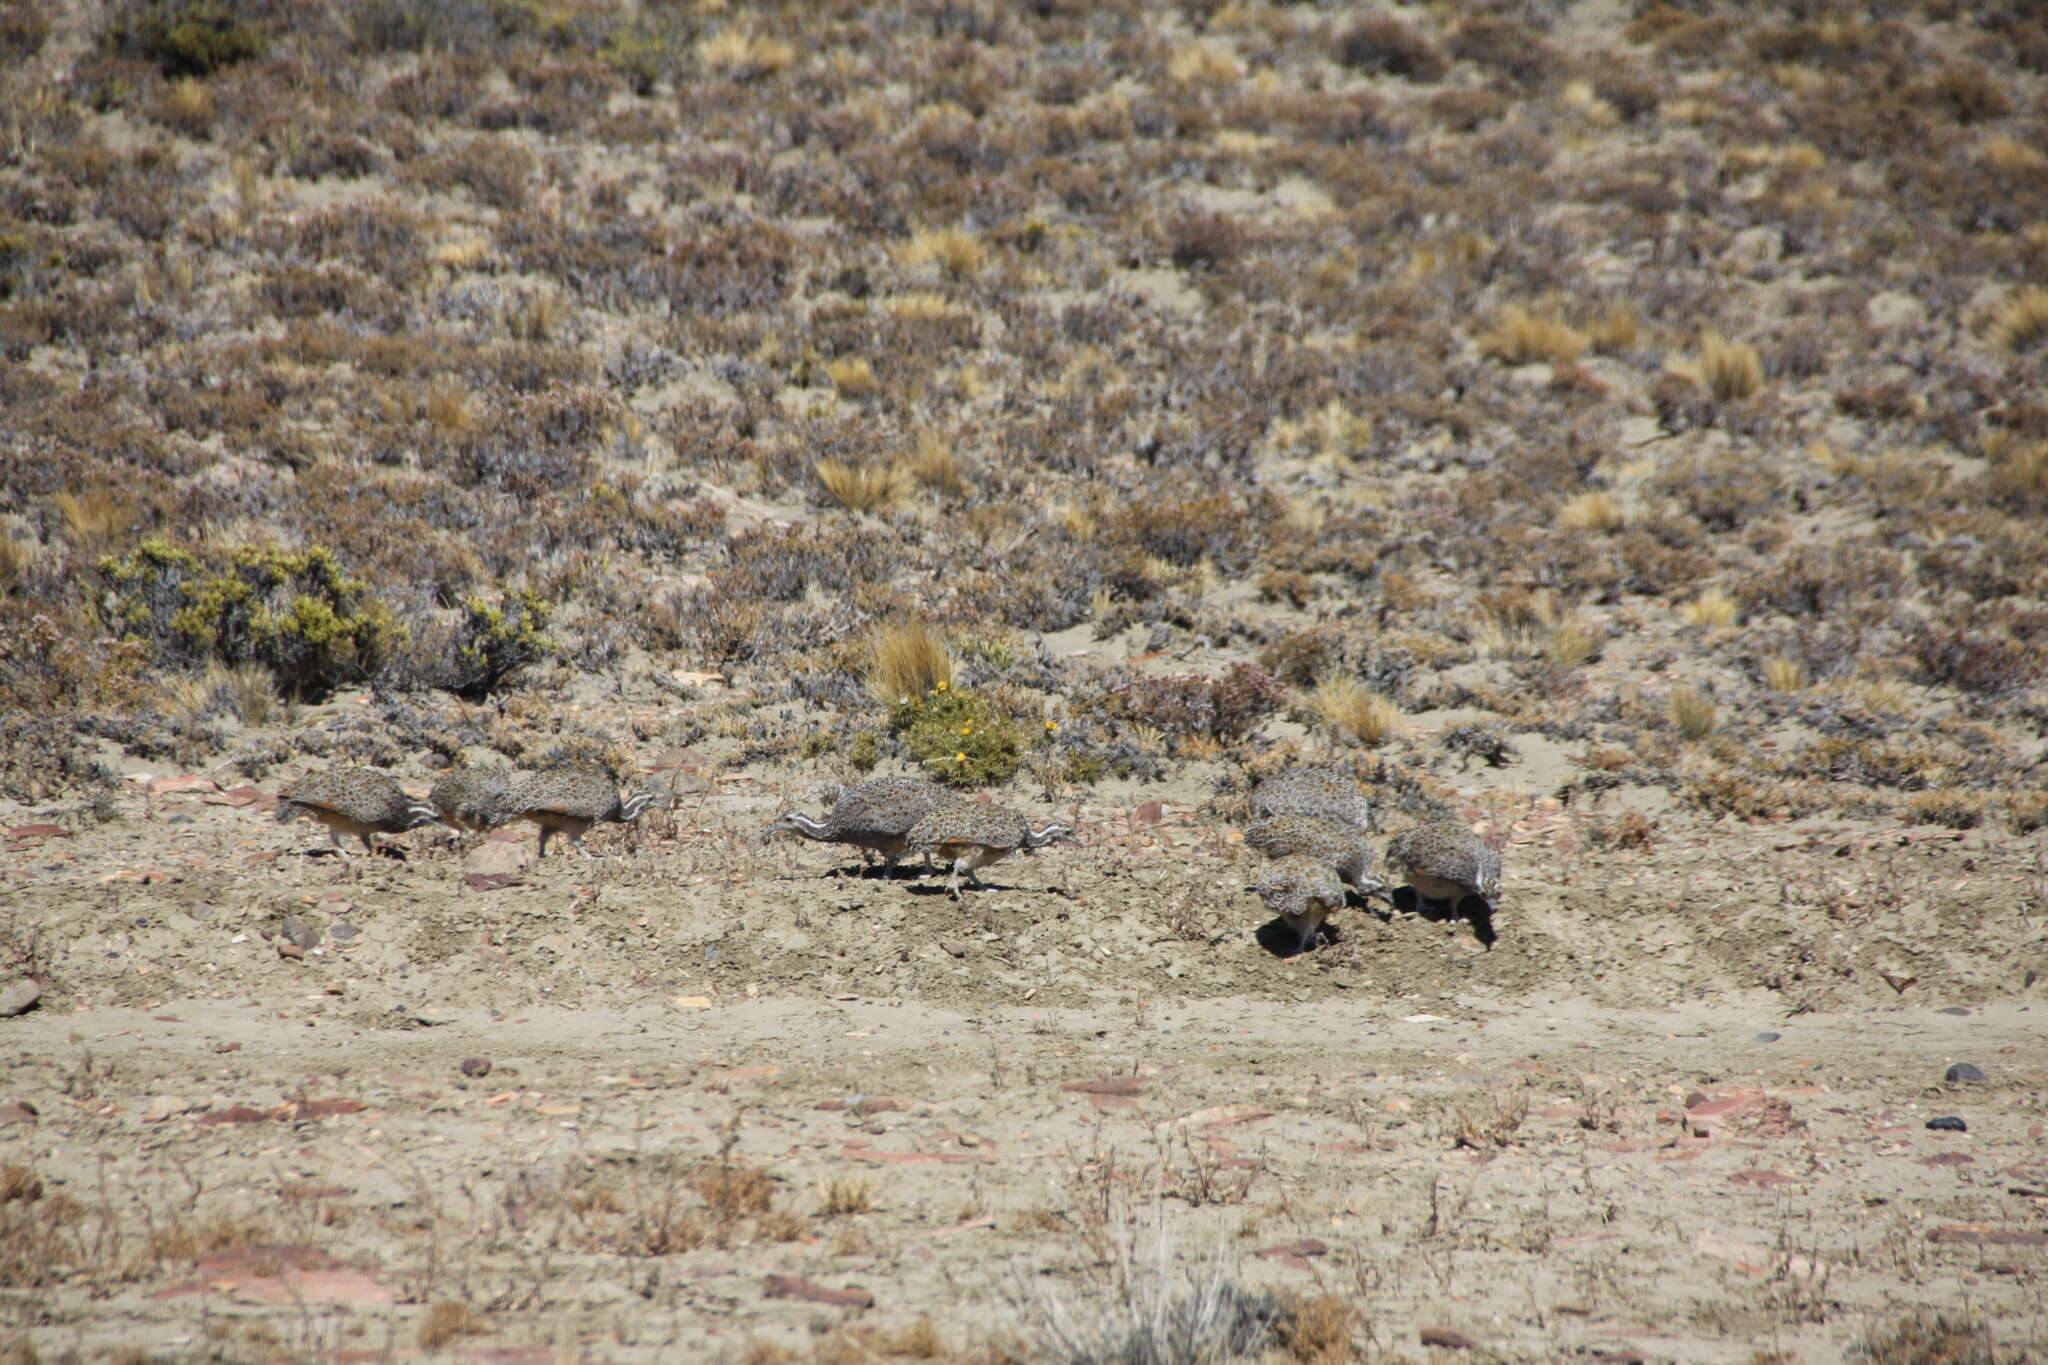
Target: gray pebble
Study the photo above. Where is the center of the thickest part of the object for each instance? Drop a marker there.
(299, 932)
(1957, 1010)
(1962, 1073)
(344, 931)
(19, 998)
(1769, 1037)
(1948, 1124)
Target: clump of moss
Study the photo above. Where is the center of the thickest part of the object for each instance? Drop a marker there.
(959, 737)
(493, 643)
(293, 611)
(186, 37)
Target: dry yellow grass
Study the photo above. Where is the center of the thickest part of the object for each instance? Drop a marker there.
(466, 253)
(859, 488)
(923, 305)
(1515, 625)
(95, 520)
(1693, 714)
(736, 53)
(954, 250)
(1713, 608)
(2021, 323)
(16, 559)
(448, 1322)
(1200, 64)
(841, 1198)
(2021, 470)
(1616, 330)
(907, 661)
(1521, 337)
(1730, 370)
(1346, 706)
(1572, 642)
(853, 376)
(447, 407)
(1594, 511)
(935, 466)
(1783, 673)
(2006, 153)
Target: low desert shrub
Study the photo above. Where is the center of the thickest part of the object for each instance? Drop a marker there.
(958, 736)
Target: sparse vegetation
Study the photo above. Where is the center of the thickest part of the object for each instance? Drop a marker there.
(957, 736)
(906, 662)
(1348, 711)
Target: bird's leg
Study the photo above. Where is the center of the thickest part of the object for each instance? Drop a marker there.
(334, 839)
(953, 882)
(544, 833)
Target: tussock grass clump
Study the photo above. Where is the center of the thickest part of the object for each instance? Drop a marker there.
(1782, 673)
(1594, 511)
(907, 661)
(1730, 370)
(1521, 337)
(16, 559)
(447, 1322)
(859, 488)
(184, 37)
(954, 250)
(94, 521)
(1616, 331)
(1514, 623)
(1713, 608)
(853, 376)
(2021, 323)
(1200, 64)
(1573, 642)
(843, 1198)
(2019, 472)
(743, 56)
(1693, 714)
(1345, 707)
(935, 466)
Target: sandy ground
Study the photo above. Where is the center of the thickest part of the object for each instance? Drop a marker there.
(1678, 1112)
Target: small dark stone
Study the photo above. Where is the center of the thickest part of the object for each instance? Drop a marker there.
(344, 931)
(1948, 1124)
(202, 911)
(476, 1066)
(300, 932)
(1957, 1010)
(1962, 1073)
(1769, 1037)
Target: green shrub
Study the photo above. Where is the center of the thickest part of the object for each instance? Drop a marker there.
(185, 37)
(292, 611)
(959, 737)
(493, 643)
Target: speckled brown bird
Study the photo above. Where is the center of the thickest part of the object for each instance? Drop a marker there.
(471, 798)
(1340, 847)
(356, 801)
(875, 817)
(1303, 890)
(569, 801)
(971, 836)
(1450, 865)
(1313, 789)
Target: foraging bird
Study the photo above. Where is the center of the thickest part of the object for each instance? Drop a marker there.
(1339, 847)
(1448, 864)
(355, 801)
(875, 817)
(1313, 789)
(971, 836)
(471, 799)
(1303, 890)
(569, 801)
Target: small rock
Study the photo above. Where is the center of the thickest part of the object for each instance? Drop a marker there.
(1769, 1037)
(1948, 1124)
(291, 950)
(17, 1111)
(476, 1066)
(345, 931)
(1962, 1073)
(19, 998)
(205, 910)
(497, 858)
(162, 1107)
(300, 932)
(1957, 1010)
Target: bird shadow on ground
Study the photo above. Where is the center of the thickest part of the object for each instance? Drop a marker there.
(938, 888)
(1471, 909)
(1279, 938)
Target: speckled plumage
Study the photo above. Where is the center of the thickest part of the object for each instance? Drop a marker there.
(1312, 789)
(569, 801)
(875, 817)
(971, 835)
(355, 801)
(1338, 846)
(1448, 863)
(471, 798)
(1303, 890)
